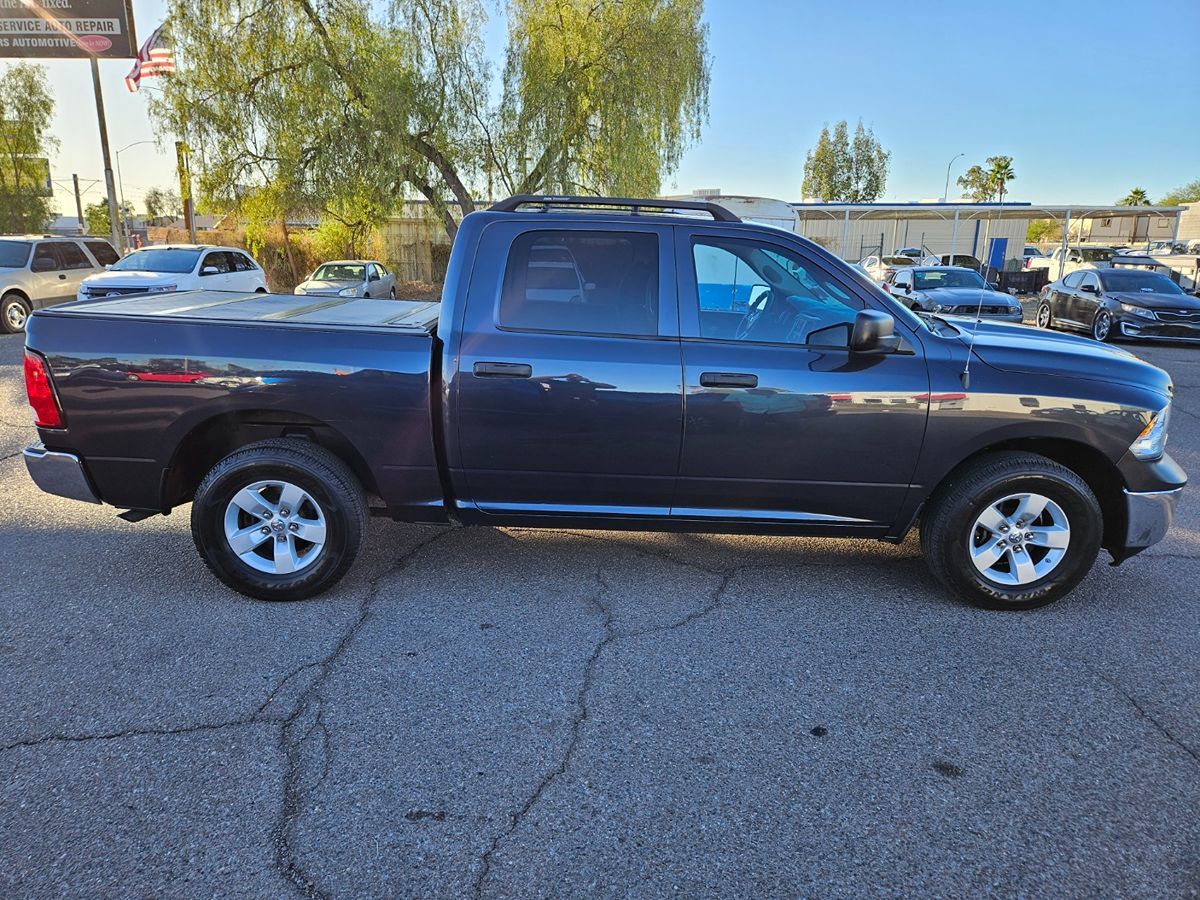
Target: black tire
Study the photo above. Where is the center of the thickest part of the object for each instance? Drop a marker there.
(14, 312)
(392, 294)
(319, 473)
(948, 527)
(1102, 326)
(1045, 319)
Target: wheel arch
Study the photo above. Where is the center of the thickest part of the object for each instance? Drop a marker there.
(1090, 464)
(20, 293)
(208, 442)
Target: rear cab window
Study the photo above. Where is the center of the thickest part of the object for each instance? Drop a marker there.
(589, 282)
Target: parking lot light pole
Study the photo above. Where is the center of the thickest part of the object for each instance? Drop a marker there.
(946, 189)
(121, 188)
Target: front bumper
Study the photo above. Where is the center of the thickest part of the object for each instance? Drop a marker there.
(1147, 329)
(60, 474)
(1148, 517)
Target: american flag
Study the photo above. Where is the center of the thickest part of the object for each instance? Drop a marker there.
(155, 58)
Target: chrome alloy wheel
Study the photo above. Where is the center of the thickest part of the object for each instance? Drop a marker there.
(1019, 539)
(275, 527)
(16, 316)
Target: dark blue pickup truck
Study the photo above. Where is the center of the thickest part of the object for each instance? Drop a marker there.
(607, 363)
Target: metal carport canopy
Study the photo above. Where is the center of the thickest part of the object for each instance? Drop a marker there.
(967, 212)
(970, 211)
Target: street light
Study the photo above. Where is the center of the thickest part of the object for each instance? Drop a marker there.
(945, 190)
(121, 190)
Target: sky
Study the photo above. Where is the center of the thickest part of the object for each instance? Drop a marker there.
(1091, 98)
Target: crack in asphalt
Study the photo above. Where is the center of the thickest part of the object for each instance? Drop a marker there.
(295, 732)
(257, 717)
(1159, 726)
(609, 637)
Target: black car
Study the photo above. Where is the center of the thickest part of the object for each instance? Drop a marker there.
(1120, 303)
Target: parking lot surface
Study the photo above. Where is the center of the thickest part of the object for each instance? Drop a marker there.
(520, 713)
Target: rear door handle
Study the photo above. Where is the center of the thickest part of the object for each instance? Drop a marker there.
(728, 379)
(502, 370)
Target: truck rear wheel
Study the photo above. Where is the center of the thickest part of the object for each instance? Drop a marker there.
(1012, 531)
(280, 519)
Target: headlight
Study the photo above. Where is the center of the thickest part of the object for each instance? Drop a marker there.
(1153, 439)
(348, 292)
(162, 289)
(937, 307)
(1139, 311)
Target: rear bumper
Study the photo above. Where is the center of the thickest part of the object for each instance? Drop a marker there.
(60, 474)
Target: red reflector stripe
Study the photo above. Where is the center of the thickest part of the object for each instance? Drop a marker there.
(38, 388)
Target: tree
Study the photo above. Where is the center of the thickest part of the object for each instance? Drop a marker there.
(1136, 197)
(26, 111)
(987, 182)
(838, 170)
(161, 202)
(1188, 193)
(330, 104)
(1041, 230)
(96, 216)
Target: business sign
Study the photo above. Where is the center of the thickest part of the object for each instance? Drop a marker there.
(67, 29)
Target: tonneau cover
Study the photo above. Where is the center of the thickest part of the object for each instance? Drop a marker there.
(228, 306)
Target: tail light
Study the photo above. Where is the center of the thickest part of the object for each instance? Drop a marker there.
(46, 411)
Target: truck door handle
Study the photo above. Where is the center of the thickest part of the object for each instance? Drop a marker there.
(728, 379)
(502, 370)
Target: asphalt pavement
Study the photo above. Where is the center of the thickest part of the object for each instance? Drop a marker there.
(528, 713)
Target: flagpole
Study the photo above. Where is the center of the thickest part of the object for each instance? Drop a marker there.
(108, 170)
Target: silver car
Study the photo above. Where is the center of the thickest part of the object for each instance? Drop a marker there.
(350, 278)
(37, 271)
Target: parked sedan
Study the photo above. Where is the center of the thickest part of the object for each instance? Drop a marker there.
(177, 267)
(951, 291)
(881, 268)
(1120, 303)
(350, 278)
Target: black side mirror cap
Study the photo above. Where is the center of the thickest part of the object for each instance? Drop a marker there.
(874, 333)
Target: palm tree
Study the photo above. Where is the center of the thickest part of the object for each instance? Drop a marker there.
(1000, 173)
(1136, 197)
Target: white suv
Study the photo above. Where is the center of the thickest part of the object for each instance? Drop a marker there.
(177, 267)
(37, 271)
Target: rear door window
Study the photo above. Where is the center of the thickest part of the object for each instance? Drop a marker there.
(72, 256)
(45, 259)
(592, 282)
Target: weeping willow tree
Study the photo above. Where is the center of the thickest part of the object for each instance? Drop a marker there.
(346, 108)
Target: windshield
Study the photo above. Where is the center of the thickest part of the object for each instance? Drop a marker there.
(1150, 282)
(13, 254)
(1096, 254)
(339, 272)
(168, 259)
(934, 279)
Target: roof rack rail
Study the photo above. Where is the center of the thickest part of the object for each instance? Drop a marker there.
(512, 204)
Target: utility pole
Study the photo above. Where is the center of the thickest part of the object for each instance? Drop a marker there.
(79, 206)
(183, 163)
(108, 171)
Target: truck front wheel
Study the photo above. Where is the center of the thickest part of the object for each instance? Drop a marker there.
(280, 519)
(1012, 530)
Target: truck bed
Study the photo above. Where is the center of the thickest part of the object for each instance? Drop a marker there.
(154, 384)
(413, 315)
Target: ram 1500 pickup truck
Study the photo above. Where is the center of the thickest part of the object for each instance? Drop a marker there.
(606, 363)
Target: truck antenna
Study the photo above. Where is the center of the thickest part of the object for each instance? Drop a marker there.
(965, 375)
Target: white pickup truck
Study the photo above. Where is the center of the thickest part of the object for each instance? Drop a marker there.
(1065, 261)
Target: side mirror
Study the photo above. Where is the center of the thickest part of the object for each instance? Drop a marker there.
(209, 270)
(908, 289)
(1090, 289)
(874, 333)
